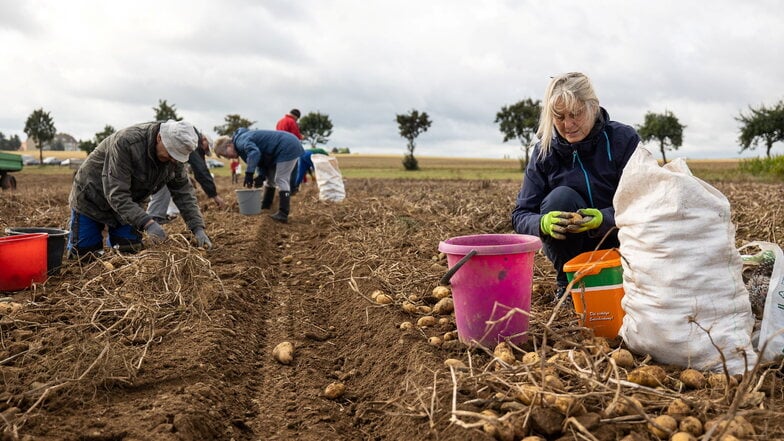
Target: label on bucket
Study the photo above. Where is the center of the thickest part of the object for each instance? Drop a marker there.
(600, 309)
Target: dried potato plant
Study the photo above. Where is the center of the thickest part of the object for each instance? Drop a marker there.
(102, 326)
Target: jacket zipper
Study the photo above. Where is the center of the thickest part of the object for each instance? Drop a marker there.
(576, 159)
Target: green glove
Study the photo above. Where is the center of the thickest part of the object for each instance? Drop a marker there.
(592, 219)
(554, 224)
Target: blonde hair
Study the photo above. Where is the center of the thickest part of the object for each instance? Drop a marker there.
(570, 90)
(220, 145)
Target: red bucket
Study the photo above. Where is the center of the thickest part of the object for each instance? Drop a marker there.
(22, 260)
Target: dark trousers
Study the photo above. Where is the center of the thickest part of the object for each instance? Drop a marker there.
(561, 251)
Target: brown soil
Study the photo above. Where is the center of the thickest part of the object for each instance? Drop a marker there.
(176, 344)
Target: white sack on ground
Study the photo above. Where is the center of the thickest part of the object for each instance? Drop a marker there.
(328, 178)
(681, 270)
(771, 336)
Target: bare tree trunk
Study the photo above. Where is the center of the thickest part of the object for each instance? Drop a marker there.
(661, 147)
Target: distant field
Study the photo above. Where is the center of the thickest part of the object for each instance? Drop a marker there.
(391, 167)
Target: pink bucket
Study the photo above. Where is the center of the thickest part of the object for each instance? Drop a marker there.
(492, 288)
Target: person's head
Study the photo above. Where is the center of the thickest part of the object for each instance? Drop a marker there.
(570, 106)
(206, 144)
(176, 140)
(295, 113)
(224, 147)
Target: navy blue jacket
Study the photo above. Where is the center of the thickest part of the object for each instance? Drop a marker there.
(592, 167)
(265, 148)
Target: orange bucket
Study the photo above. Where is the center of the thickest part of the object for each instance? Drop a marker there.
(597, 290)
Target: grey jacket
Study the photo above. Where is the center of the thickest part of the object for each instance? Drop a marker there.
(121, 174)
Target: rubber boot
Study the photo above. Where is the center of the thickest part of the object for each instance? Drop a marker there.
(283, 211)
(267, 197)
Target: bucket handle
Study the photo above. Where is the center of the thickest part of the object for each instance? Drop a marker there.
(451, 272)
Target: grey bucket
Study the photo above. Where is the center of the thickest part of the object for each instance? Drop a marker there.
(249, 200)
(55, 245)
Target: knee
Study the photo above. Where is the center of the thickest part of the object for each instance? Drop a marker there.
(563, 199)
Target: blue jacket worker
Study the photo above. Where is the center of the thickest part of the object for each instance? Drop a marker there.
(575, 168)
(305, 167)
(271, 153)
(118, 177)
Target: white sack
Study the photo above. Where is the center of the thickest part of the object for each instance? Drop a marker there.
(681, 270)
(328, 178)
(771, 334)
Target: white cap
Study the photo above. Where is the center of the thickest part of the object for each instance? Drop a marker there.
(179, 139)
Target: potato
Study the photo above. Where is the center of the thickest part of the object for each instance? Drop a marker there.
(284, 352)
(569, 406)
(441, 292)
(530, 358)
(444, 306)
(650, 375)
(406, 325)
(663, 426)
(334, 390)
(408, 307)
(678, 407)
(682, 436)
(528, 394)
(449, 336)
(719, 381)
(738, 427)
(444, 321)
(424, 309)
(383, 299)
(623, 358)
(375, 294)
(691, 425)
(435, 341)
(9, 308)
(553, 382)
(504, 353)
(426, 321)
(598, 345)
(624, 406)
(693, 379)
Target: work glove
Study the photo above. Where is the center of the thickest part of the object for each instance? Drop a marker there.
(201, 238)
(554, 224)
(592, 219)
(258, 182)
(155, 232)
(248, 180)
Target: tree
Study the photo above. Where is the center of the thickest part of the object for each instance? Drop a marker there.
(411, 125)
(105, 133)
(40, 127)
(316, 128)
(233, 122)
(664, 128)
(165, 112)
(90, 145)
(12, 143)
(763, 125)
(520, 121)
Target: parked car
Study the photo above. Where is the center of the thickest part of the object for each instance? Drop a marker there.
(212, 163)
(51, 160)
(72, 161)
(29, 160)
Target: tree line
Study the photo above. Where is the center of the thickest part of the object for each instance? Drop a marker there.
(519, 121)
(316, 128)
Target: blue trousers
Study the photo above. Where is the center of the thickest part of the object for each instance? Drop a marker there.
(561, 251)
(86, 237)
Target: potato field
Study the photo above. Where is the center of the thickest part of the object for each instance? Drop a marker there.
(326, 328)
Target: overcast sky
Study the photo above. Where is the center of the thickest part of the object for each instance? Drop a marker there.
(92, 63)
